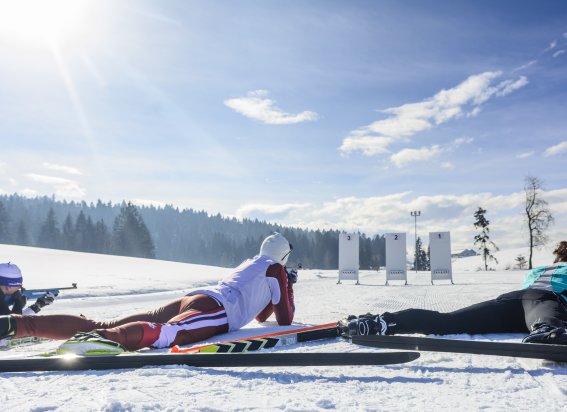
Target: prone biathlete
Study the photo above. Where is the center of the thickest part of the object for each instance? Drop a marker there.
(539, 309)
(256, 289)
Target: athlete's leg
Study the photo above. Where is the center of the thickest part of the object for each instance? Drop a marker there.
(202, 317)
(500, 315)
(543, 307)
(159, 315)
(65, 326)
(52, 326)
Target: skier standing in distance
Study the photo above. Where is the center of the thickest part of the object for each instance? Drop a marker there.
(539, 309)
(12, 301)
(257, 288)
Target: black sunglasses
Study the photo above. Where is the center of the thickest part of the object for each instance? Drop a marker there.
(287, 254)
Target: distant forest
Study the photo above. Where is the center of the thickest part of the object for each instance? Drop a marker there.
(166, 233)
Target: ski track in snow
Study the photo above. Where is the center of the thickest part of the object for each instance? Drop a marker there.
(435, 381)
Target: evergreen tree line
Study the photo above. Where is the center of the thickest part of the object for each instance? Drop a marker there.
(21, 223)
(166, 233)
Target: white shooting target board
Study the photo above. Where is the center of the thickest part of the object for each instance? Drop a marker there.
(396, 251)
(440, 256)
(349, 256)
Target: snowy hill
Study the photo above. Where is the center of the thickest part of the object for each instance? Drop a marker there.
(109, 286)
(506, 259)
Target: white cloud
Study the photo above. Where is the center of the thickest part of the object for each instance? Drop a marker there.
(461, 141)
(405, 156)
(555, 150)
(147, 202)
(268, 210)
(474, 112)
(64, 188)
(551, 46)
(9, 180)
(525, 155)
(369, 146)
(389, 213)
(411, 118)
(509, 86)
(447, 165)
(558, 53)
(258, 107)
(61, 168)
(29, 193)
(525, 66)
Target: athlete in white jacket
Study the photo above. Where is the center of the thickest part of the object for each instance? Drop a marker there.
(255, 289)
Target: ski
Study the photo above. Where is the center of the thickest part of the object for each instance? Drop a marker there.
(9, 343)
(269, 359)
(518, 350)
(266, 341)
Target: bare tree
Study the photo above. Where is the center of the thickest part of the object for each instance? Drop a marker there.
(538, 215)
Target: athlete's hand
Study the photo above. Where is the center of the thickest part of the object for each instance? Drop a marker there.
(45, 300)
(291, 276)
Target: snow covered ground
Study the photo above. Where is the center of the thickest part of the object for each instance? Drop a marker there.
(109, 286)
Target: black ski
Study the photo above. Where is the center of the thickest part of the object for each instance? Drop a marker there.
(137, 360)
(519, 350)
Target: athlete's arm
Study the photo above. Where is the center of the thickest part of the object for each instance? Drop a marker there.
(283, 305)
(266, 313)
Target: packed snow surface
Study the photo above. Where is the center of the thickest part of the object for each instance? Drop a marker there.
(110, 286)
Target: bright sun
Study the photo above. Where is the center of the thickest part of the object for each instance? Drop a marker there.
(40, 20)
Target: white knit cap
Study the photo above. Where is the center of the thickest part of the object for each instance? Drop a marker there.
(276, 247)
(10, 275)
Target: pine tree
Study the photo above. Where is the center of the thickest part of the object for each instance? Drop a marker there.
(422, 261)
(130, 235)
(89, 237)
(82, 233)
(101, 238)
(5, 226)
(49, 234)
(521, 261)
(22, 234)
(68, 234)
(483, 239)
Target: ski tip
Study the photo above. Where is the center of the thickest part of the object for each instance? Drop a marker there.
(389, 357)
(413, 356)
(371, 340)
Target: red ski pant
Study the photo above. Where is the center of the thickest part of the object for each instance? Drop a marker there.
(133, 331)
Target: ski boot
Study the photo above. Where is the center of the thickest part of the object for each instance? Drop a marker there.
(7, 326)
(545, 333)
(90, 344)
(367, 324)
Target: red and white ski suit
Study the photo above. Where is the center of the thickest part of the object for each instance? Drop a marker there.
(255, 289)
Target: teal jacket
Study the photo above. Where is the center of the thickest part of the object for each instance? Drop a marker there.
(552, 278)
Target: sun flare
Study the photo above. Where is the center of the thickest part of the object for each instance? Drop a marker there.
(41, 20)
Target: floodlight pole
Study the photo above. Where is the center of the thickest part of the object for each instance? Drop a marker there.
(415, 214)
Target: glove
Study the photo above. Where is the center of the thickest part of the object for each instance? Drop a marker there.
(291, 275)
(45, 300)
(20, 301)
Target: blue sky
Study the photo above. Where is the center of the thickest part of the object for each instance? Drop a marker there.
(319, 114)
